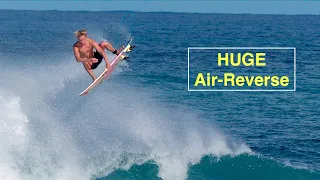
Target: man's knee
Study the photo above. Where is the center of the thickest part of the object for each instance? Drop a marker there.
(87, 65)
(104, 44)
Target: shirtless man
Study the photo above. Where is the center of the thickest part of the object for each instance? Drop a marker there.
(83, 52)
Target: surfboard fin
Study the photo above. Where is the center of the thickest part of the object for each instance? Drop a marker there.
(130, 48)
(122, 57)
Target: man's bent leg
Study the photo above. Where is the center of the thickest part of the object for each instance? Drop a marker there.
(87, 66)
(108, 46)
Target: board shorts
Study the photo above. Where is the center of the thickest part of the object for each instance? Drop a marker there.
(98, 56)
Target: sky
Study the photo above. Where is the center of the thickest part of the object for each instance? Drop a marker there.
(238, 6)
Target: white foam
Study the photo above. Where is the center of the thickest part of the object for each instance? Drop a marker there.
(57, 135)
(174, 139)
(13, 134)
(34, 143)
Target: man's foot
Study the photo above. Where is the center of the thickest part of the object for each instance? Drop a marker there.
(118, 51)
(121, 48)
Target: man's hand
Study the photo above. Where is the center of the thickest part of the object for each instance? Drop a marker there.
(93, 60)
(108, 65)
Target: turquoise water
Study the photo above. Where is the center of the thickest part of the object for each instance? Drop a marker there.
(143, 123)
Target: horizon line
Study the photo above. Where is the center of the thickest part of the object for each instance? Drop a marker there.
(177, 12)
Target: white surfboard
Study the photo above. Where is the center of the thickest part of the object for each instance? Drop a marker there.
(107, 72)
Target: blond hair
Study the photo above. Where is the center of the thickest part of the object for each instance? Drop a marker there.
(80, 33)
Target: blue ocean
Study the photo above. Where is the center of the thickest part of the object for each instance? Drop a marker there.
(142, 122)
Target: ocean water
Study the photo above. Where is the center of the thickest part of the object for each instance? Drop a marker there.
(143, 123)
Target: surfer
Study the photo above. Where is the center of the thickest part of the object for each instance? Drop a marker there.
(83, 52)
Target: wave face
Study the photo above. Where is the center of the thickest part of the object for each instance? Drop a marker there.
(142, 123)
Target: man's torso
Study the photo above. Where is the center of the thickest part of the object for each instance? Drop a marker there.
(85, 50)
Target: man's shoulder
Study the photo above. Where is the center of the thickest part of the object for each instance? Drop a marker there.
(91, 40)
(76, 44)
